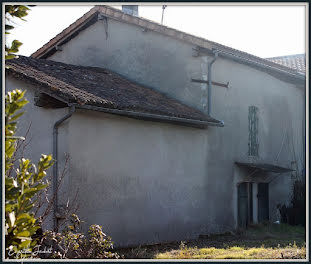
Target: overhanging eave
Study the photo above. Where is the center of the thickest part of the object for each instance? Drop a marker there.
(267, 167)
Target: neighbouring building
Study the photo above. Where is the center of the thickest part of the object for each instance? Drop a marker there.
(169, 135)
(297, 62)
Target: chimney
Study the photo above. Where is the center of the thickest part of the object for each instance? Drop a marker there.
(130, 9)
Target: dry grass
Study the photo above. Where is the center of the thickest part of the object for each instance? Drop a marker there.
(290, 252)
(257, 242)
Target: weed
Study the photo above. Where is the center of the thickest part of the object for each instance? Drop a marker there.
(258, 242)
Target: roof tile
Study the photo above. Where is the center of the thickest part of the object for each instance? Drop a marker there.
(98, 87)
(297, 62)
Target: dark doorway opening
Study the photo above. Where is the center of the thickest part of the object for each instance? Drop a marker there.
(245, 204)
(263, 202)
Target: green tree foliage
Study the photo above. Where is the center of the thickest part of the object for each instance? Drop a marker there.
(23, 180)
(11, 12)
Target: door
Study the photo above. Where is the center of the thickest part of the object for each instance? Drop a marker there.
(245, 204)
(263, 202)
(242, 205)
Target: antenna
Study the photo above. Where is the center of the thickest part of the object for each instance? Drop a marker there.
(163, 7)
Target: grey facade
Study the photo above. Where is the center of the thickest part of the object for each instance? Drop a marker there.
(147, 182)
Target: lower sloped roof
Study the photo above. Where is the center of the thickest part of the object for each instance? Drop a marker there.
(268, 167)
(99, 87)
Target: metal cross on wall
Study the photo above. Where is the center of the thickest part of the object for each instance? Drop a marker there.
(203, 52)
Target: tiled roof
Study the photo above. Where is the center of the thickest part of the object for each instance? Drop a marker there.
(91, 17)
(98, 87)
(297, 62)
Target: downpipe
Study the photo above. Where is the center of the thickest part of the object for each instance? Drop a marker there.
(55, 156)
(209, 88)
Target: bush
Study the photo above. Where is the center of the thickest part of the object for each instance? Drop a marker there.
(23, 181)
(296, 213)
(73, 245)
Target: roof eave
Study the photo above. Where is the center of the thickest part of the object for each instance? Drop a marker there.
(267, 167)
(154, 117)
(292, 77)
(116, 14)
(133, 114)
(67, 34)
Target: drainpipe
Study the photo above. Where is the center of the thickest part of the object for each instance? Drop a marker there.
(55, 167)
(209, 88)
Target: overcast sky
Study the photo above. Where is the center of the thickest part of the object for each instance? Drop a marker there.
(265, 31)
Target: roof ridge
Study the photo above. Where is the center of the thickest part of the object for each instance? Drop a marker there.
(117, 14)
(189, 34)
(233, 50)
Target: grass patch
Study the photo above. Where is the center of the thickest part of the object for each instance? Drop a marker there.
(264, 241)
(234, 253)
(257, 242)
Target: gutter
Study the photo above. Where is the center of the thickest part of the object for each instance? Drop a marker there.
(237, 58)
(153, 117)
(55, 167)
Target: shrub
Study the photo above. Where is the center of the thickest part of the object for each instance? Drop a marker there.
(296, 213)
(70, 244)
(23, 180)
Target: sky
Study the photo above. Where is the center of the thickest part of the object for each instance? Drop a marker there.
(264, 31)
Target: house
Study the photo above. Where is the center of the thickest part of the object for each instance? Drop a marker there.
(170, 136)
(297, 62)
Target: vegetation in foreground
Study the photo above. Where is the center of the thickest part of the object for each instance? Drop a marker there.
(263, 241)
(25, 182)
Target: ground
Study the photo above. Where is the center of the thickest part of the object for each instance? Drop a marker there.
(265, 241)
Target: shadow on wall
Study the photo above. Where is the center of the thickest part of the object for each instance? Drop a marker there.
(296, 213)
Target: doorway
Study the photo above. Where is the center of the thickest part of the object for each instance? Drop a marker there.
(263, 202)
(245, 204)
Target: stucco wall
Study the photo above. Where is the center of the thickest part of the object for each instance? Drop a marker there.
(145, 181)
(145, 57)
(189, 173)
(39, 123)
(167, 65)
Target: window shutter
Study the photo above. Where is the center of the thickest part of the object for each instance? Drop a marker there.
(253, 143)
